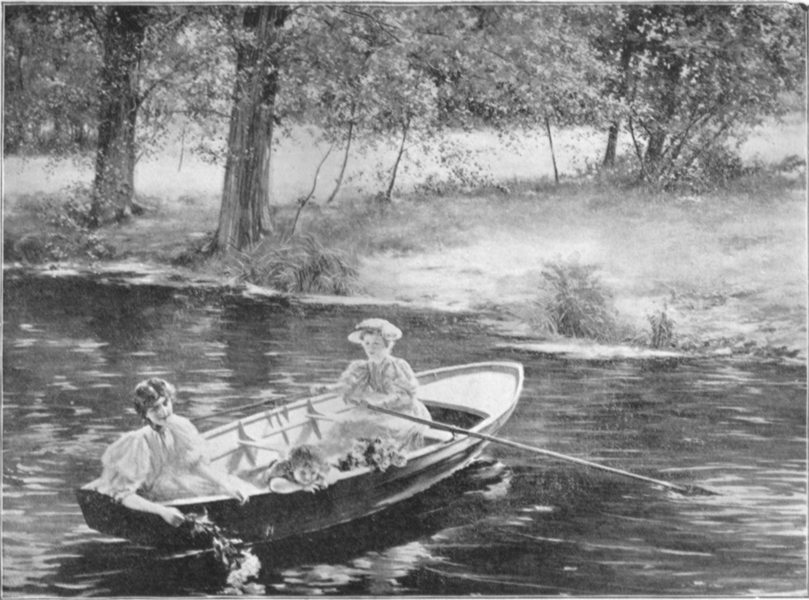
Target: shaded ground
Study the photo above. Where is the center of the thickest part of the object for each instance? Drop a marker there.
(731, 271)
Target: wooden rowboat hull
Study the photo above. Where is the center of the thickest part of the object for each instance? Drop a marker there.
(270, 516)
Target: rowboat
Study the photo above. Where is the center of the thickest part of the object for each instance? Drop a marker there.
(477, 398)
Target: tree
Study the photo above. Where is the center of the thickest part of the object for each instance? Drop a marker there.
(354, 76)
(692, 76)
(51, 60)
(122, 29)
(247, 170)
(78, 78)
(516, 68)
(337, 68)
(134, 40)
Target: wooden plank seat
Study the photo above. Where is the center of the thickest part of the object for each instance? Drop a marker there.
(438, 436)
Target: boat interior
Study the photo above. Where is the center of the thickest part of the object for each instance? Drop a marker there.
(250, 446)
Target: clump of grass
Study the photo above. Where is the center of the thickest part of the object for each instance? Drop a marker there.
(300, 264)
(579, 305)
(662, 334)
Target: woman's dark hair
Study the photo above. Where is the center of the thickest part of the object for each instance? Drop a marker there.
(148, 392)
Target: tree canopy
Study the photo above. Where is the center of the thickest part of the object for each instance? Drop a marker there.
(679, 80)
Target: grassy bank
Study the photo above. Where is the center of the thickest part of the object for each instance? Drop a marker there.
(726, 270)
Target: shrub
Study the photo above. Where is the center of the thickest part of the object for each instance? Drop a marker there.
(715, 168)
(298, 265)
(662, 335)
(579, 305)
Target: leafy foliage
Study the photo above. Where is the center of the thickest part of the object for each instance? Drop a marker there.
(681, 79)
(51, 64)
(238, 562)
(688, 78)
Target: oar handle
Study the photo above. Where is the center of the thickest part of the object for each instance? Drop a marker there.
(504, 442)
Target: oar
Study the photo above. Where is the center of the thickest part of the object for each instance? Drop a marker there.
(688, 490)
(284, 399)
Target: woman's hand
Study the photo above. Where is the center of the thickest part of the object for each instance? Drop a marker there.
(172, 516)
(239, 494)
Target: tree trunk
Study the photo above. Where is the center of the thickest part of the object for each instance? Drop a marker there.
(339, 182)
(247, 170)
(123, 35)
(553, 155)
(612, 145)
(398, 160)
(654, 151)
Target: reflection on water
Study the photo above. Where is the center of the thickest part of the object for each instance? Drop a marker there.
(513, 523)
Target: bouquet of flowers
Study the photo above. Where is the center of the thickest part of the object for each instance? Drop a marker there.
(376, 453)
(240, 564)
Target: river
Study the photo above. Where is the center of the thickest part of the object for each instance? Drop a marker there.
(512, 523)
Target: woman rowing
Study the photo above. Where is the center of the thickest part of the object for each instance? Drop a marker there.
(382, 380)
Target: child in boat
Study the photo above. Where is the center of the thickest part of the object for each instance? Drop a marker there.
(382, 380)
(305, 468)
(164, 460)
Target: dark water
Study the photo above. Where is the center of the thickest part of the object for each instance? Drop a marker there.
(513, 523)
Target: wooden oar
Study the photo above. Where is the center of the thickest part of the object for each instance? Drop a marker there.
(688, 490)
(284, 399)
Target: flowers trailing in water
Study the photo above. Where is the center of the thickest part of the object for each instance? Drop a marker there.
(376, 453)
(239, 563)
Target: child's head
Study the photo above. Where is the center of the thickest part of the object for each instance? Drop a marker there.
(307, 464)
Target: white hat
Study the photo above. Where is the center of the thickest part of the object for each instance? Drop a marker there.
(386, 329)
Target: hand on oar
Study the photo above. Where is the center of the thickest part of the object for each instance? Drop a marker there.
(687, 490)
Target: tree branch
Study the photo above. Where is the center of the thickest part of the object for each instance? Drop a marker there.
(638, 152)
(345, 157)
(303, 201)
(384, 27)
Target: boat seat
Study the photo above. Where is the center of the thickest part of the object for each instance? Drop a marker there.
(438, 436)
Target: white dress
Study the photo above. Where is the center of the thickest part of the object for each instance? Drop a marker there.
(389, 383)
(159, 466)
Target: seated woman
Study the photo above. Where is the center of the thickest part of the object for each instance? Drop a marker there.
(382, 380)
(164, 460)
(305, 469)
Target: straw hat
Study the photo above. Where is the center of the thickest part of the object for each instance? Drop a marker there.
(386, 329)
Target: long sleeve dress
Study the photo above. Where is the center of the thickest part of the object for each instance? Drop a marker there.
(389, 383)
(159, 466)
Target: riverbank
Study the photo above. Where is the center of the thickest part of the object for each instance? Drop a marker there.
(728, 269)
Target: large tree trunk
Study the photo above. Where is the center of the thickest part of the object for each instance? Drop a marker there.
(113, 188)
(247, 171)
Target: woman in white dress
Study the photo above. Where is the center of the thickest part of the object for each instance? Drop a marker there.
(164, 460)
(381, 380)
